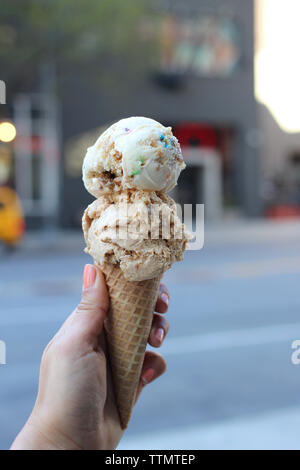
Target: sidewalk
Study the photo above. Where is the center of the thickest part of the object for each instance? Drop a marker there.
(53, 240)
(249, 230)
(223, 232)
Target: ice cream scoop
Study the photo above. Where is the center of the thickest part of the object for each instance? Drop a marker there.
(136, 152)
(138, 231)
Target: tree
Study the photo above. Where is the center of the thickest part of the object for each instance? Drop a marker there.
(66, 33)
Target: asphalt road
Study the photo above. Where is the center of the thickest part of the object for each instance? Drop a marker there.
(235, 310)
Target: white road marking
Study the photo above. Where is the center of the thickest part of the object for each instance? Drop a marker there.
(177, 345)
(228, 339)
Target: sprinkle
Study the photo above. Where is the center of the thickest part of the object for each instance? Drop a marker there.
(161, 137)
(139, 169)
(126, 129)
(167, 145)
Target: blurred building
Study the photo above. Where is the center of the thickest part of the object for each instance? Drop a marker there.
(277, 75)
(202, 85)
(37, 160)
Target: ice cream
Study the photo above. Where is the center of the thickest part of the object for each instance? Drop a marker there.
(140, 231)
(133, 233)
(137, 153)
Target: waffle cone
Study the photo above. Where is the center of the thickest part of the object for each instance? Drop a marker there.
(127, 328)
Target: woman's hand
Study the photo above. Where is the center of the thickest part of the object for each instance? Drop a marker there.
(75, 407)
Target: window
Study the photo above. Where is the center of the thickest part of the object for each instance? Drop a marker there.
(207, 45)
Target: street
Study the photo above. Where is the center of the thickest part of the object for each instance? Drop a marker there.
(234, 313)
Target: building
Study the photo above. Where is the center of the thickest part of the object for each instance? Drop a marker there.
(202, 85)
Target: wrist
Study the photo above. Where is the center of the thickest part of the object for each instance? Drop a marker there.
(38, 435)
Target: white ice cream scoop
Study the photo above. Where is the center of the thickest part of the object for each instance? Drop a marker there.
(136, 152)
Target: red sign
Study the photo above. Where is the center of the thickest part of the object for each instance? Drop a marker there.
(195, 135)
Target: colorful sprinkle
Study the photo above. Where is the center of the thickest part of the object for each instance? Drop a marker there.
(167, 145)
(161, 137)
(139, 169)
(126, 129)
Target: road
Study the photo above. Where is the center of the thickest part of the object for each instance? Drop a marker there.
(234, 313)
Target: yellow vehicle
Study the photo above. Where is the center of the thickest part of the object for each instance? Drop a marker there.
(12, 223)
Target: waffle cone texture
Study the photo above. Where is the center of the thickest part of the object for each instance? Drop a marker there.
(127, 328)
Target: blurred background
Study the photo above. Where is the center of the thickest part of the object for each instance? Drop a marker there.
(225, 75)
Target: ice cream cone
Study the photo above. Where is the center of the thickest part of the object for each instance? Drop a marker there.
(129, 169)
(127, 328)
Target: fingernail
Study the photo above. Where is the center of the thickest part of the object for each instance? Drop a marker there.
(148, 376)
(89, 276)
(164, 297)
(160, 334)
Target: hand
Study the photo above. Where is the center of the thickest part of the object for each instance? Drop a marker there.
(75, 407)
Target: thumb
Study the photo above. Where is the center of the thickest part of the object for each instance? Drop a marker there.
(88, 317)
(94, 292)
